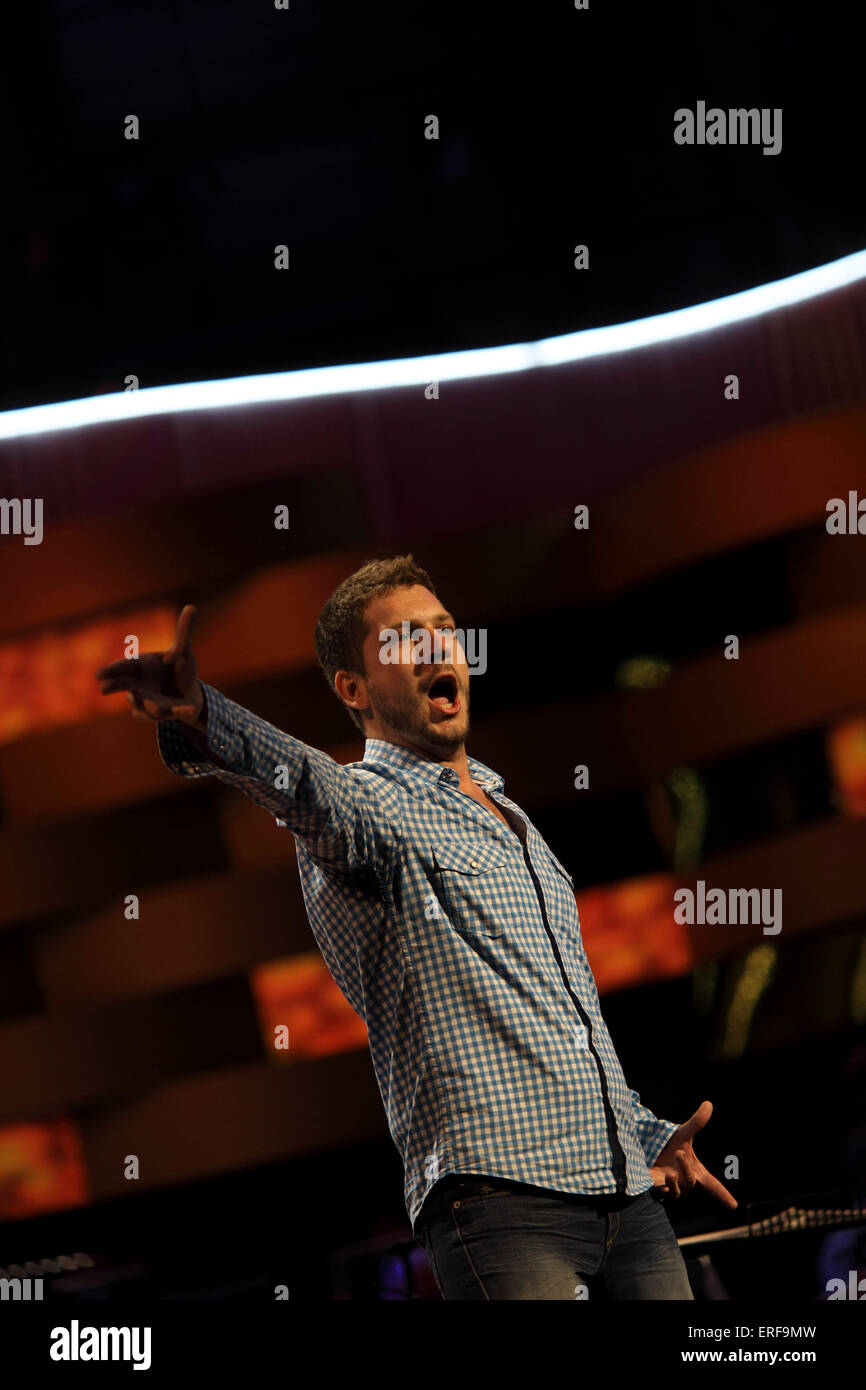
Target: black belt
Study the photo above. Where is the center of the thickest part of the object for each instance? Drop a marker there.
(455, 1186)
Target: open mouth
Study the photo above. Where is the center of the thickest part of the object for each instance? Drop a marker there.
(443, 694)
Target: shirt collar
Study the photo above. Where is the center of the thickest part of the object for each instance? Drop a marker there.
(377, 750)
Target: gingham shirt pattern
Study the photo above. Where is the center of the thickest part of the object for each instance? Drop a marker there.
(460, 949)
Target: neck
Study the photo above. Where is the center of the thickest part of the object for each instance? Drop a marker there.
(455, 758)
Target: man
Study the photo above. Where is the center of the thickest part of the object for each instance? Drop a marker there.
(531, 1169)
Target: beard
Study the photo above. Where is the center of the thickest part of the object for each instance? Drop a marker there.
(404, 715)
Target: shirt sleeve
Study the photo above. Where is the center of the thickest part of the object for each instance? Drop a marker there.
(652, 1132)
(318, 799)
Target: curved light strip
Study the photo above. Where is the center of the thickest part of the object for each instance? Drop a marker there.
(446, 366)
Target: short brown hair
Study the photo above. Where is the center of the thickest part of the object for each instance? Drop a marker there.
(340, 629)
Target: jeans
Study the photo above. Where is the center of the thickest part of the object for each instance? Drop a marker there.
(488, 1237)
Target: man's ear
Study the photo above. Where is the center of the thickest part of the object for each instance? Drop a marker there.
(352, 690)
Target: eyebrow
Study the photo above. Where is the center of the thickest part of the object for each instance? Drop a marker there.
(419, 622)
(437, 617)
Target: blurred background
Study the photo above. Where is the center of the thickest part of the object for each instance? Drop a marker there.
(149, 1035)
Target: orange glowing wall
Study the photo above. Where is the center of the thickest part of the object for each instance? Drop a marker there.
(630, 934)
(846, 752)
(49, 679)
(300, 995)
(41, 1169)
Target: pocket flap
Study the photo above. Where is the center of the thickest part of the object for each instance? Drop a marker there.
(469, 856)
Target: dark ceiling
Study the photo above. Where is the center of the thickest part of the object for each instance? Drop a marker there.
(261, 126)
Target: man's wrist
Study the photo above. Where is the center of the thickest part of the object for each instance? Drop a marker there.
(176, 734)
(199, 721)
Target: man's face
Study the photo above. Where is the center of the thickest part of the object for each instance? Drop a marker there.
(416, 702)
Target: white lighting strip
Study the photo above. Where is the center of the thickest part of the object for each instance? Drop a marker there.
(448, 366)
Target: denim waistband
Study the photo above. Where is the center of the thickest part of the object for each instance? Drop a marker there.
(456, 1185)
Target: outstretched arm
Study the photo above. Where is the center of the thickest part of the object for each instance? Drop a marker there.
(201, 733)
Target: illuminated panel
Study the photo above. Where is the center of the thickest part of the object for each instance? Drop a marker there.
(449, 366)
(846, 753)
(41, 1169)
(630, 934)
(48, 680)
(300, 995)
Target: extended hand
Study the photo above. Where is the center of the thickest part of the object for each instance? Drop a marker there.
(160, 685)
(678, 1167)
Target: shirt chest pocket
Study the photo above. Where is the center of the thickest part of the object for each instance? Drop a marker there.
(474, 883)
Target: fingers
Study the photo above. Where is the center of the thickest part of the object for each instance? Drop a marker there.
(679, 1175)
(119, 670)
(143, 709)
(665, 1180)
(680, 1169)
(183, 635)
(136, 711)
(687, 1172)
(716, 1188)
(111, 687)
(698, 1120)
(149, 710)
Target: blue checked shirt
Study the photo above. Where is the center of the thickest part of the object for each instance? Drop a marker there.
(459, 946)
